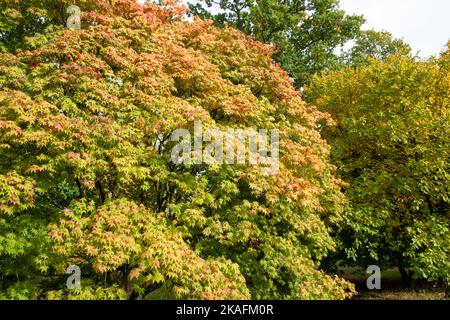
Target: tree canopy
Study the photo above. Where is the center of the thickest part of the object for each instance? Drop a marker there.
(371, 44)
(391, 146)
(86, 176)
(308, 34)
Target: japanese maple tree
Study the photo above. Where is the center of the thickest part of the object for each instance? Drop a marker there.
(86, 176)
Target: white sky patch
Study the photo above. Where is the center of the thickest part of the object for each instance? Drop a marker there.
(424, 24)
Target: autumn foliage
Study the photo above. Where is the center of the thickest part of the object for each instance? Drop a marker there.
(85, 171)
(391, 144)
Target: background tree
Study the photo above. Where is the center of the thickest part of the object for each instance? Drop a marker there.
(86, 176)
(308, 34)
(391, 146)
(375, 44)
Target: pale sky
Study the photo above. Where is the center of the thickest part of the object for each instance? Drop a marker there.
(424, 24)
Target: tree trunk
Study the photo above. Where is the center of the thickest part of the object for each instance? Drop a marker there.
(406, 277)
(447, 288)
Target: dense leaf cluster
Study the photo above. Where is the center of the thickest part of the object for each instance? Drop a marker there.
(86, 176)
(391, 144)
